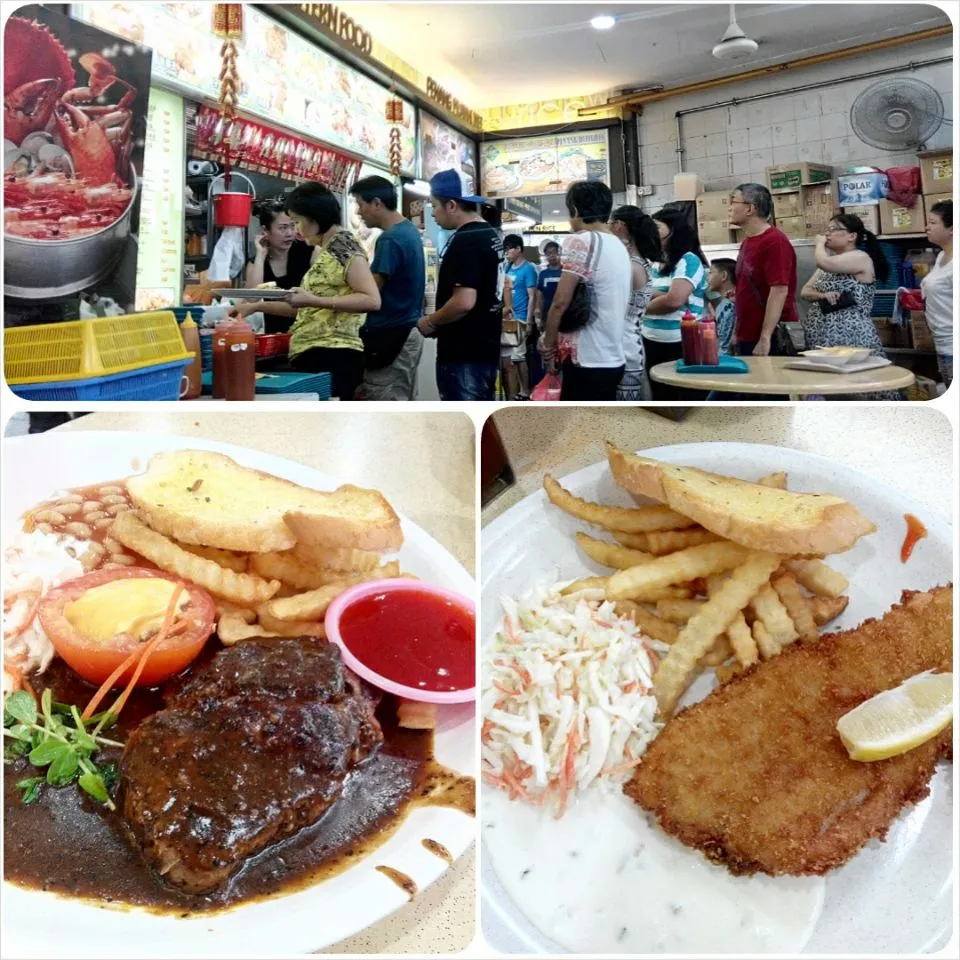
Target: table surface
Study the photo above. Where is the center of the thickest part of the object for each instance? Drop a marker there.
(905, 445)
(770, 375)
(395, 453)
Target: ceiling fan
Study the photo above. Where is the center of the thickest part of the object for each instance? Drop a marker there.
(734, 44)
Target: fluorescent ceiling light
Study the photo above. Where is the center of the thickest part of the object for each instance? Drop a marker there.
(604, 22)
(420, 187)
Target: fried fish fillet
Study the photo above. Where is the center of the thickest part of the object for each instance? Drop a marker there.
(755, 775)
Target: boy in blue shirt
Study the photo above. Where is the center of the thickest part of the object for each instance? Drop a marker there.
(721, 288)
(513, 343)
(546, 288)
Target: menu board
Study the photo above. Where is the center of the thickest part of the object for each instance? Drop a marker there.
(443, 148)
(536, 165)
(284, 79)
(160, 264)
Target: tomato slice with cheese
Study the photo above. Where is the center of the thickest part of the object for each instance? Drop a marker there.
(97, 621)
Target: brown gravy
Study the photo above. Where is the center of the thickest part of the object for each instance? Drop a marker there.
(405, 883)
(67, 843)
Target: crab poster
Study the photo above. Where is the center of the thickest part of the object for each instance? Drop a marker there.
(74, 125)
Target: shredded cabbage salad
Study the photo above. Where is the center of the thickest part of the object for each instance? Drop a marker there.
(567, 699)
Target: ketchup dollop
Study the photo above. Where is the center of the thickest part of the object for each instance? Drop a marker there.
(417, 639)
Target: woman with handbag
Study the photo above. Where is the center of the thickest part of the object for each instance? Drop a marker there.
(584, 330)
(849, 262)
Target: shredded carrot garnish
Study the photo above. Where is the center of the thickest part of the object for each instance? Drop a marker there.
(485, 731)
(138, 657)
(622, 767)
(503, 689)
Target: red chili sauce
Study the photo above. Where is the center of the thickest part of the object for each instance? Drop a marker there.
(417, 639)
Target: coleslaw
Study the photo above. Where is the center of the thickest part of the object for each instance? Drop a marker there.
(566, 700)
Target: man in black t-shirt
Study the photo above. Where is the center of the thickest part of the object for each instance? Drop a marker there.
(469, 294)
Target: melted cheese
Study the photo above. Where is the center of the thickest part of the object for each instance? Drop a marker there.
(135, 606)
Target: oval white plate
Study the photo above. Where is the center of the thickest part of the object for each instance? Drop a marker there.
(895, 896)
(310, 919)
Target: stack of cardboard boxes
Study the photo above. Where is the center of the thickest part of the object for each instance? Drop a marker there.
(936, 177)
(865, 196)
(713, 222)
(803, 197)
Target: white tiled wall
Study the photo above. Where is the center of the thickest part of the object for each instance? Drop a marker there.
(732, 145)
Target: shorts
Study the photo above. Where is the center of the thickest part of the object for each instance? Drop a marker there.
(397, 380)
(517, 354)
(466, 381)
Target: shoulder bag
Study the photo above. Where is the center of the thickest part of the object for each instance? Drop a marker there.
(577, 314)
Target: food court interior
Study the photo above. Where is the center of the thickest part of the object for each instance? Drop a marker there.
(833, 107)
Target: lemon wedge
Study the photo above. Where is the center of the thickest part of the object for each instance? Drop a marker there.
(900, 719)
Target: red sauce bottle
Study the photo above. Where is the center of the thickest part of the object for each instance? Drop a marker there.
(240, 360)
(219, 357)
(689, 339)
(711, 348)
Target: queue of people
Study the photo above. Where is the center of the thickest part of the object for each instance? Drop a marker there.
(606, 307)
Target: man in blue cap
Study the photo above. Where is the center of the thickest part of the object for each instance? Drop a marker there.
(469, 311)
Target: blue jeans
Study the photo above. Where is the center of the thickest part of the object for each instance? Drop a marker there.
(466, 381)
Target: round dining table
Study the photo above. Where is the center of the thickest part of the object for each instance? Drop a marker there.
(772, 375)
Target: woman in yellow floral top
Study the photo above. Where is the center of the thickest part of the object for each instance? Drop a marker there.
(338, 292)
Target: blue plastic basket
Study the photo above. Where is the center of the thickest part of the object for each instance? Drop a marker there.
(159, 382)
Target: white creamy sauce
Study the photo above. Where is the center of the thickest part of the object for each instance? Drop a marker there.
(604, 879)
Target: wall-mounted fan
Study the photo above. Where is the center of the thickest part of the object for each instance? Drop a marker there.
(897, 114)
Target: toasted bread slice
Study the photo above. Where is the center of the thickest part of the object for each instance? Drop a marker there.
(756, 516)
(204, 498)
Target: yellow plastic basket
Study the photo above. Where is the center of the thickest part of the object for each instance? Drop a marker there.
(82, 349)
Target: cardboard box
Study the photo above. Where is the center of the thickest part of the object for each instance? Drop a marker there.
(794, 227)
(858, 189)
(819, 207)
(714, 232)
(868, 213)
(686, 186)
(936, 171)
(787, 205)
(929, 201)
(713, 206)
(789, 177)
(896, 219)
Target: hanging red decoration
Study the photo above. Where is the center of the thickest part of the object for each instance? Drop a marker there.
(394, 115)
(228, 25)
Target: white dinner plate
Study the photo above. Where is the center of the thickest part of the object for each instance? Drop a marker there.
(895, 896)
(36, 924)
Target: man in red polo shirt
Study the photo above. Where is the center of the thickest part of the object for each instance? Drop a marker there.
(766, 273)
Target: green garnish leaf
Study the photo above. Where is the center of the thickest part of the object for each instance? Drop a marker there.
(21, 706)
(19, 732)
(57, 738)
(93, 784)
(84, 741)
(48, 752)
(63, 769)
(31, 788)
(14, 750)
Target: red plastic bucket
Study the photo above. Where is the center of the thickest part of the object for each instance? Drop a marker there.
(232, 209)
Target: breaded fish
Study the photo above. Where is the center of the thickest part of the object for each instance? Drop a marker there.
(756, 776)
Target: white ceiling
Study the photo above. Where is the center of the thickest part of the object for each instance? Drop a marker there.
(494, 54)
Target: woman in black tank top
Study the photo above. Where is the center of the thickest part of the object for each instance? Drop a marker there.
(280, 259)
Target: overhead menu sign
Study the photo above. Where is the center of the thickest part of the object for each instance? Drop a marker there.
(531, 166)
(284, 78)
